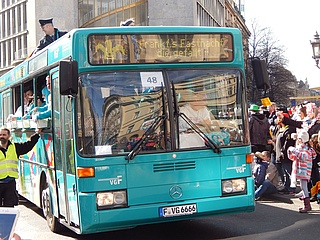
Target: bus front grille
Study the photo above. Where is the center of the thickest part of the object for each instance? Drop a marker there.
(176, 166)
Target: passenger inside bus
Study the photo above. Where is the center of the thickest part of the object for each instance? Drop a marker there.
(28, 96)
(45, 111)
(40, 102)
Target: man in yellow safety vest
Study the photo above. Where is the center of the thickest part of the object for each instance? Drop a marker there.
(9, 154)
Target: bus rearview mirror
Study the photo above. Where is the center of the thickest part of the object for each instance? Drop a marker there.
(68, 75)
(260, 73)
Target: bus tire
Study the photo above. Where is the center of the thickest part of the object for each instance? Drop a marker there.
(44, 201)
(43, 195)
(52, 221)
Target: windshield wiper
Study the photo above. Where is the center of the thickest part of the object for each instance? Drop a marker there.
(137, 147)
(159, 120)
(193, 126)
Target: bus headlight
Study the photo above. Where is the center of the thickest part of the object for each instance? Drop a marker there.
(111, 199)
(233, 186)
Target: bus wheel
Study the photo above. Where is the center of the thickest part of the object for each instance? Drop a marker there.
(52, 221)
(45, 201)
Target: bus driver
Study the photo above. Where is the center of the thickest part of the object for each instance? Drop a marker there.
(196, 110)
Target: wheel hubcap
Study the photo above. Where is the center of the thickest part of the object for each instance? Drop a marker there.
(45, 202)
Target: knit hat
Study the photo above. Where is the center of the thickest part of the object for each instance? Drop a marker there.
(303, 135)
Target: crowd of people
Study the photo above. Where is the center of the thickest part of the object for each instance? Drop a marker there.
(286, 145)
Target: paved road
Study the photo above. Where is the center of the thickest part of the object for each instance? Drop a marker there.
(273, 219)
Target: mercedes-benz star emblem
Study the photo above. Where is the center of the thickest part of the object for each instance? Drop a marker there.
(175, 192)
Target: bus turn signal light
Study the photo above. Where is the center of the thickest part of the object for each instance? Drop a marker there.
(85, 172)
(249, 158)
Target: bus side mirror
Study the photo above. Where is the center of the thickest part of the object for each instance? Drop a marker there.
(260, 73)
(68, 75)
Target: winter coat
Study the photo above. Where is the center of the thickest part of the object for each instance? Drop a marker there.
(283, 142)
(273, 125)
(304, 156)
(46, 40)
(259, 129)
(314, 128)
(272, 174)
(259, 173)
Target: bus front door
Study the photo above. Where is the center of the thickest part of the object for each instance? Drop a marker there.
(64, 155)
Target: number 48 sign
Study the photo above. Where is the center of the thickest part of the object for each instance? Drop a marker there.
(151, 79)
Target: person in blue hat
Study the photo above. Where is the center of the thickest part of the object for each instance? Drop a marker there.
(259, 129)
(51, 34)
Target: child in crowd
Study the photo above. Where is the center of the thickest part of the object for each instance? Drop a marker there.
(303, 154)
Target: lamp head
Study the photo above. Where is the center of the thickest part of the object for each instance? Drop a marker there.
(316, 48)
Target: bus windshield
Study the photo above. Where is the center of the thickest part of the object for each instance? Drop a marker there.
(115, 109)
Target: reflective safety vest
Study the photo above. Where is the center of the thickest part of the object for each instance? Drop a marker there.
(9, 163)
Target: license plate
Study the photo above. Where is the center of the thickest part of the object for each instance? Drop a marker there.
(174, 211)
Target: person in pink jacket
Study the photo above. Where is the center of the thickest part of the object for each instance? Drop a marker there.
(302, 156)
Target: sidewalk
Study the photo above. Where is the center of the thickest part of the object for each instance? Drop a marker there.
(286, 198)
(281, 197)
(291, 201)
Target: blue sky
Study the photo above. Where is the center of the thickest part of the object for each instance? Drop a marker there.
(293, 24)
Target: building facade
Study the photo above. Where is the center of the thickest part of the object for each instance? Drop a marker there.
(109, 13)
(20, 31)
(13, 33)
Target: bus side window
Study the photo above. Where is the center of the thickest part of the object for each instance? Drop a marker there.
(6, 106)
(13, 102)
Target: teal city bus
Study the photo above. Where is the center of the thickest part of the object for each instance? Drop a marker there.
(147, 125)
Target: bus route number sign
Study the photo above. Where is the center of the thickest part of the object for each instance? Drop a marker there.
(180, 210)
(151, 79)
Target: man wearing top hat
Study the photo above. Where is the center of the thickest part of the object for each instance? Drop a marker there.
(51, 33)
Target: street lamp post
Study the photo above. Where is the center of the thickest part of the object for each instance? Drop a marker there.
(316, 48)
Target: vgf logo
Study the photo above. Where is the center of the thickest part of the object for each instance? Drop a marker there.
(239, 169)
(115, 181)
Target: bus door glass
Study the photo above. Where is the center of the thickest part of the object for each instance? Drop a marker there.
(64, 154)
